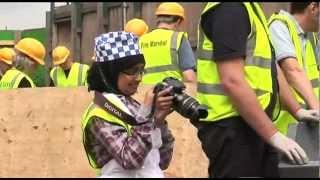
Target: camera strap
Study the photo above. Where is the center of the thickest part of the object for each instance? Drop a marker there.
(153, 104)
(108, 106)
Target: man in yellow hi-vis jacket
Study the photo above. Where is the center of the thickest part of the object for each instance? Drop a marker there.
(237, 78)
(67, 73)
(168, 52)
(295, 40)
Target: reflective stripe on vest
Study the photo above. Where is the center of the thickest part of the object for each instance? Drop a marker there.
(160, 49)
(12, 78)
(316, 48)
(309, 60)
(173, 56)
(257, 68)
(217, 89)
(75, 78)
(94, 110)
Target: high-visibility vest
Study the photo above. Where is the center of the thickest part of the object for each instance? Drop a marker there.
(318, 55)
(160, 50)
(94, 110)
(307, 61)
(12, 78)
(77, 76)
(257, 68)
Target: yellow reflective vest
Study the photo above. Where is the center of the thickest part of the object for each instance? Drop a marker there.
(94, 110)
(307, 61)
(257, 67)
(12, 78)
(160, 50)
(77, 76)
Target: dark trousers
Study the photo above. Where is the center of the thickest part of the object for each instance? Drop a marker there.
(235, 150)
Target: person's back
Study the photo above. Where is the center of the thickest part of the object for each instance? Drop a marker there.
(159, 47)
(167, 51)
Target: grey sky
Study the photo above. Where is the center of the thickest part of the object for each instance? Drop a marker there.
(24, 15)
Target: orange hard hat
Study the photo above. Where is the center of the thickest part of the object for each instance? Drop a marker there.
(136, 26)
(7, 55)
(60, 55)
(170, 8)
(32, 48)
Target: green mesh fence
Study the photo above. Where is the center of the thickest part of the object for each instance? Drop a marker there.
(7, 35)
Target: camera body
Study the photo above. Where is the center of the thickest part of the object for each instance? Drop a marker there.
(184, 104)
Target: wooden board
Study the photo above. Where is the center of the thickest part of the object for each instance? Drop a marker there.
(40, 136)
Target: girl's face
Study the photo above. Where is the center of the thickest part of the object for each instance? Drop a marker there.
(129, 79)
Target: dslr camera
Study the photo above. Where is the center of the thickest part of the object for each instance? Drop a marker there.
(184, 104)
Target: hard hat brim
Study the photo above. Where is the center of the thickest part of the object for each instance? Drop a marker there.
(172, 14)
(147, 29)
(59, 62)
(40, 61)
(6, 61)
(62, 60)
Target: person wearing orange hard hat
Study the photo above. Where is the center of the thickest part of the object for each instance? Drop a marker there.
(10, 77)
(136, 26)
(67, 73)
(167, 51)
(30, 55)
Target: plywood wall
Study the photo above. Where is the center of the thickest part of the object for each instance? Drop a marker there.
(40, 135)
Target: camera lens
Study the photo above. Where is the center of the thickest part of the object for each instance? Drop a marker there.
(189, 107)
(184, 104)
(202, 112)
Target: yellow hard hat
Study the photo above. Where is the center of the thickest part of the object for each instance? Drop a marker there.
(136, 26)
(32, 48)
(170, 8)
(7, 55)
(60, 55)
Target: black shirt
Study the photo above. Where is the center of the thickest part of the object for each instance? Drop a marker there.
(66, 72)
(24, 83)
(228, 26)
